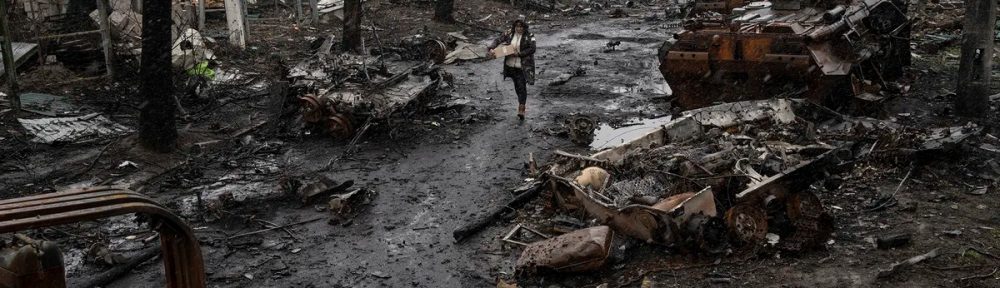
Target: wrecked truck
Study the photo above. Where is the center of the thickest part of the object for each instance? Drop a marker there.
(700, 182)
(830, 52)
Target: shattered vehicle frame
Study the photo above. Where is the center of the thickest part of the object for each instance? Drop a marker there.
(341, 94)
(713, 217)
(826, 50)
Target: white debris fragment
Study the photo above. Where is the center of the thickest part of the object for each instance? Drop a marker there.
(72, 129)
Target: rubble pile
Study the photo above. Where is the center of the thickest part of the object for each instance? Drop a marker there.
(341, 94)
(722, 179)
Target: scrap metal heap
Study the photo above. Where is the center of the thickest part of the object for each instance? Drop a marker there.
(711, 174)
(828, 49)
(720, 179)
(341, 94)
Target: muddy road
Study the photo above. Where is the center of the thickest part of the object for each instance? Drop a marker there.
(432, 174)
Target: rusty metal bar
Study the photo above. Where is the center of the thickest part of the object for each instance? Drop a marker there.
(74, 34)
(182, 259)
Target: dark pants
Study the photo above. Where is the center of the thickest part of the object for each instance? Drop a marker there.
(520, 84)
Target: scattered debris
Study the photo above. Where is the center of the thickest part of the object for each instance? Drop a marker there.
(581, 129)
(341, 112)
(466, 51)
(483, 220)
(322, 187)
(979, 191)
(344, 206)
(79, 129)
(581, 250)
(894, 240)
(895, 268)
(565, 77)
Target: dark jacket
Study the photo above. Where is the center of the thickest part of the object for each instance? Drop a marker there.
(527, 54)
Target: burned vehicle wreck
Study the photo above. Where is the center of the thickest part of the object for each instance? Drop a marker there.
(680, 187)
(827, 51)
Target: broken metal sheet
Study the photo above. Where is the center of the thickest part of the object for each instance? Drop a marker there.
(72, 129)
(943, 138)
(652, 224)
(466, 51)
(605, 136)
(333, 6)
(798, 177)
(21, 51)
(581, 250)
(511, 236)
(47, 104)
(678, 130)
(731, 114)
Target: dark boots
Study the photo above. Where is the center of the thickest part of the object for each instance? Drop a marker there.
(520, 111)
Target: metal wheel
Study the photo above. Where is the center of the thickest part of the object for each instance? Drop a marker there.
(311, 108)
(339, 126)
(747, 223)
(803, 205)
(436, 51)
(813, 226)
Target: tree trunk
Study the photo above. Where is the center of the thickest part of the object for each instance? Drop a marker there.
(10, 66)
(352, 25)
(976, 62)
(157, 130)
(443, 11)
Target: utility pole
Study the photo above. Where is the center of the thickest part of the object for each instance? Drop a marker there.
(352, 25)
(976, 62)
(157, 127)
(9, 66)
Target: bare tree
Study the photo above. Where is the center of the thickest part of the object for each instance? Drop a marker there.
(976, 63)
(352, 25)
(157, 128)
(443, 11)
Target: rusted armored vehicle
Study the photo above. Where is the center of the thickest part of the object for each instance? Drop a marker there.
(828, 51)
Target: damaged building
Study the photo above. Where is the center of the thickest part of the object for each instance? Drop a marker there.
(494, 143)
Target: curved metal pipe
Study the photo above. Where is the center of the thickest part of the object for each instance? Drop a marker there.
(182, 259)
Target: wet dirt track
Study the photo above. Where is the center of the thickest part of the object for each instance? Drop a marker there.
(431, 182)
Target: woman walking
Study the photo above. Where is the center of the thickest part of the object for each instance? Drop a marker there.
(519, 65)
